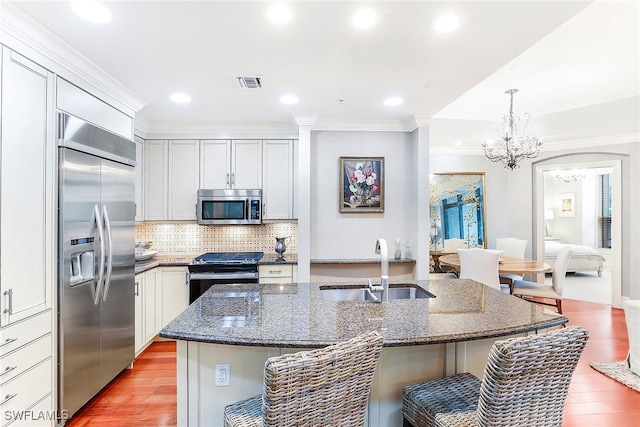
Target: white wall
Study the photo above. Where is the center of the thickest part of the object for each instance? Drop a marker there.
(336, 235)
(570, 229)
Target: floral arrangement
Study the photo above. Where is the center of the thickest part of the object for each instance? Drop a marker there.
(362, 184)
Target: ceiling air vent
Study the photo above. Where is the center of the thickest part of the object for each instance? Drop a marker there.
(250, 82)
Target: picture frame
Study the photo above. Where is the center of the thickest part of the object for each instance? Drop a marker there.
(361, 187)
(457, 209)
(567, 205)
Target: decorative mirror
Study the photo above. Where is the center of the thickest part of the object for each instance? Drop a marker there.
(457, 209)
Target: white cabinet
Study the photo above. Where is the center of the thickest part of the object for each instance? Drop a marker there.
(148, 299)
(175, 293)
(183, 179)
(138, 308)
(171, 173)
(277, 184)
(151, 300)
(156, 169)
(26, 367)
(161, 294)
(27, 184)
(278, 273)
(139, 179)
(231, 164)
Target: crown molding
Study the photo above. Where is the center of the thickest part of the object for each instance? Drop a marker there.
(305, 120)
(361, 126)
(550, 144)
(22, 33)
(236, 131)
(558, 143)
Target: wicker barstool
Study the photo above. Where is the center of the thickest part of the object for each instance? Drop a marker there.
(324, 387)
(525, 383)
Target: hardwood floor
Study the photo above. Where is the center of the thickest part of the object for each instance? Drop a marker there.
(146, 395)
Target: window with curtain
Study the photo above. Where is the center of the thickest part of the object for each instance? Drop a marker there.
(604, 214)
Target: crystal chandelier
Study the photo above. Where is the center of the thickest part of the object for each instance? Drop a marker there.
(514, 143)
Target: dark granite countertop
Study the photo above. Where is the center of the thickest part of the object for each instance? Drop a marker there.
(361, 261)
(273, 258)
(297, 315)
(178, 260)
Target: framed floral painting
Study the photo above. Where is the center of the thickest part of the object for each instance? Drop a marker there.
(361, 184)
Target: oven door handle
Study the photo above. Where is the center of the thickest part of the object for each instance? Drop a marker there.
(223, 276)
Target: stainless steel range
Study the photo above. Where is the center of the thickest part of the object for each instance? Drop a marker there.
(216, 268)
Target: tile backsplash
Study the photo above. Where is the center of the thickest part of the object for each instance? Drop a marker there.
(194, 239)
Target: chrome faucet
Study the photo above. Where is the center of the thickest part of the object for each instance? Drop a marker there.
(381, 248)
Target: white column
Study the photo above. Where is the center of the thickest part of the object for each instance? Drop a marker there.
(421, 253)
(303, 197)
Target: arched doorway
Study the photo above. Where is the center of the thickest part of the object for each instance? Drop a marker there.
(611, 162)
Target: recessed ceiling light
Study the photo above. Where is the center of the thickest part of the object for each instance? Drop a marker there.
(393, 101)
(91, 11)
(289, 99)
(182, 98)
(447, 23)
(457, 143)
(279, 13)
(365, 18)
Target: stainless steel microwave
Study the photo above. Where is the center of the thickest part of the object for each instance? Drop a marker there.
(229, 207)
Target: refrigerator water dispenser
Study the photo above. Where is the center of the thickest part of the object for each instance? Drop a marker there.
(82, 267)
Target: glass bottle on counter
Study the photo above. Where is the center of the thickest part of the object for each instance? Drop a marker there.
(407, 250)
(397, 254)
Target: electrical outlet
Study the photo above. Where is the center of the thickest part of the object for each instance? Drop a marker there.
(223, 374)
(181, 249)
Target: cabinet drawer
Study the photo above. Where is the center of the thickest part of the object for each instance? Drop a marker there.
(40, 414)
(15, 363)
(25, 390)
(20, 333)
(269, 271)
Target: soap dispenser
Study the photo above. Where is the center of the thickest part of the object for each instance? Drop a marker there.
(407, 250)
(397, 254)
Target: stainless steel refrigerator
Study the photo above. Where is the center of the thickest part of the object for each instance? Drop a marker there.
(96, 235)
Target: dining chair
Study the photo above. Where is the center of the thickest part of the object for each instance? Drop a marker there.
(525, 383)
(480, 265)
(452, 245)
(528, 290)
(513, 247)
(322, 387)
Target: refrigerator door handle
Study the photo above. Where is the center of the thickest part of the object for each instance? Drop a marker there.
(98, 287)
(107, 280)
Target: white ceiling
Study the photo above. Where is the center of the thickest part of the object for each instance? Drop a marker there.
(560, 54)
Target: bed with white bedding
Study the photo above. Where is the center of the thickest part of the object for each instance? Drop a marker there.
(584, 258)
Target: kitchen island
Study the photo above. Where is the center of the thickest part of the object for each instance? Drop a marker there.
(243, 325)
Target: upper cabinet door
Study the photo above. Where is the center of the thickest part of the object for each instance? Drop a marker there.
(155, 180)
(183, 179)
(246, 164)
(215, 164)
(139, 178)
(277, 188)
(27, 183)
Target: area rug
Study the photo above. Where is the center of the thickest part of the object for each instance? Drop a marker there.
(620, 372)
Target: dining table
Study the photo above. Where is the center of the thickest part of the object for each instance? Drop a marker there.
(507, 264)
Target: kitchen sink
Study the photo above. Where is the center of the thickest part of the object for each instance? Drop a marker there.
(396, 292)
(346, 294)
